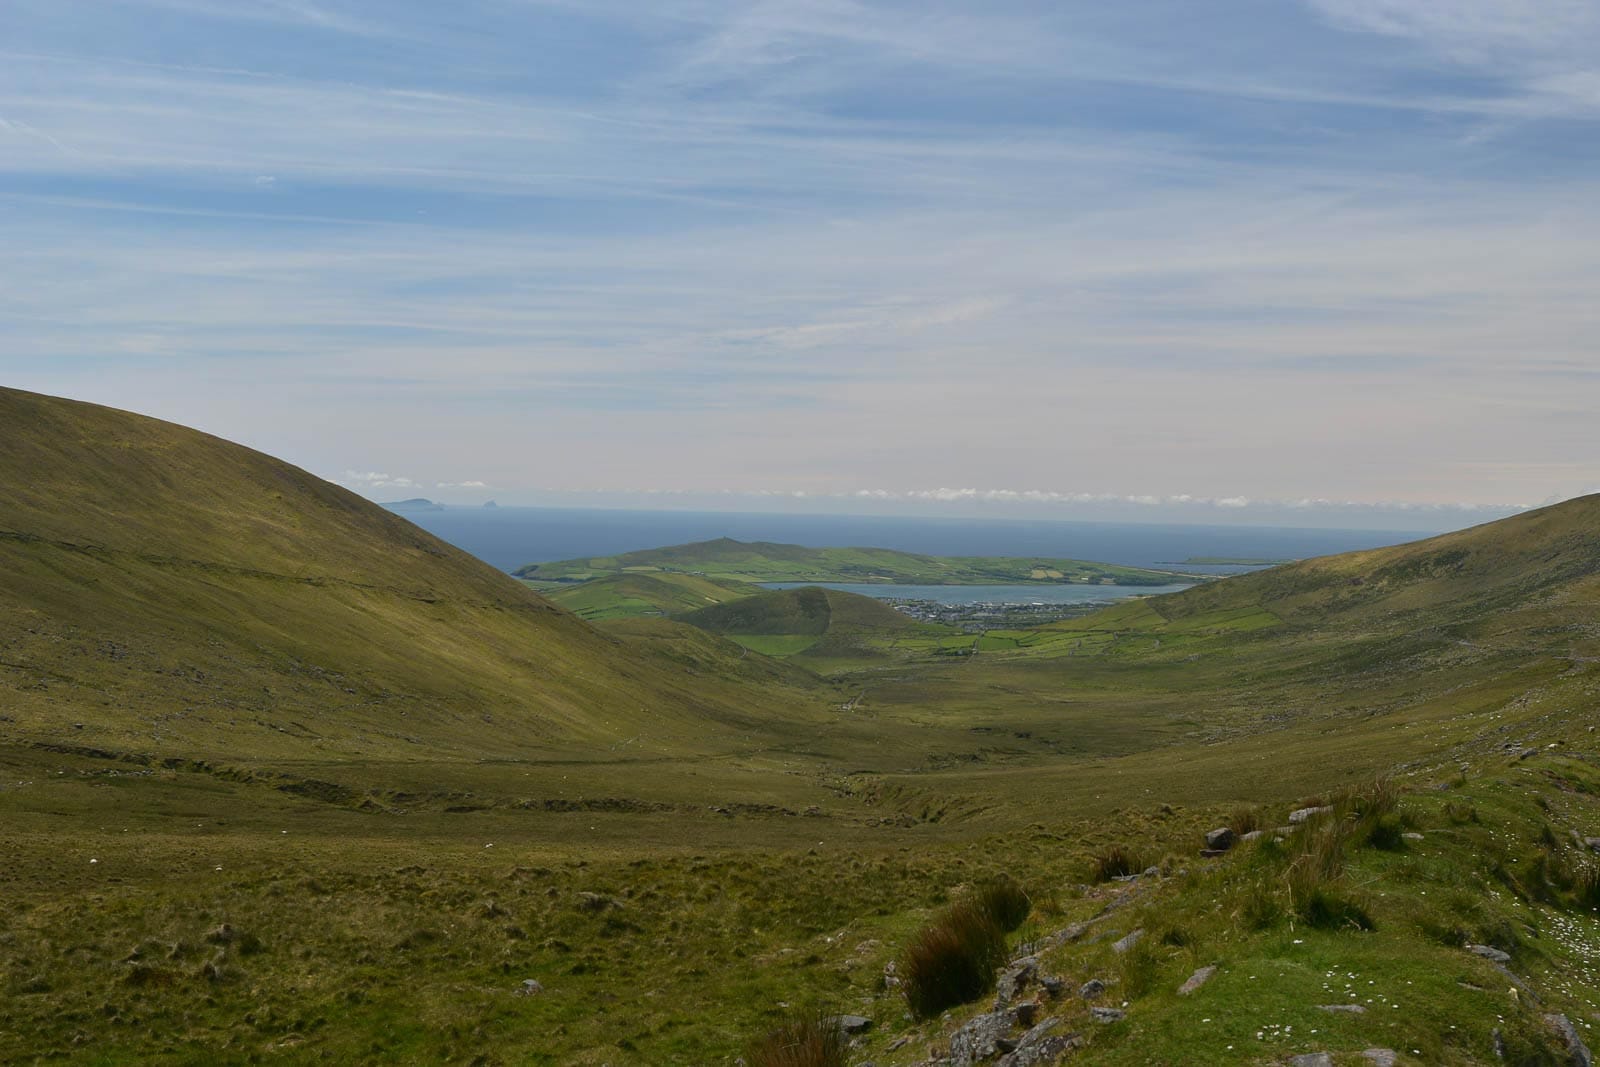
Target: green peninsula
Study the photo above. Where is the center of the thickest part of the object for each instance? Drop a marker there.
(725, 560)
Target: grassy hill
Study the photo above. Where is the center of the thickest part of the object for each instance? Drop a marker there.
(165, 591)
(629, 595)
(284, 778)
(763, 561)
(823, 623)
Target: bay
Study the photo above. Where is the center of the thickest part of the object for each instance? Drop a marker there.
(510, 537)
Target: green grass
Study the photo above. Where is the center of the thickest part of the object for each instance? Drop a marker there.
(423, 784)
(632, 595)
(762, 561)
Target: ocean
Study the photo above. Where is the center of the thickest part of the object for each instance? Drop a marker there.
(509, 537)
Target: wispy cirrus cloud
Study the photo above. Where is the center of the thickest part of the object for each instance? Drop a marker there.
(810, 247)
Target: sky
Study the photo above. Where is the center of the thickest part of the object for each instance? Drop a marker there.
(1330, 260)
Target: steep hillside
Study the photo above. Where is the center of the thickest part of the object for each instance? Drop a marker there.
(764, 561)
(629, 595)
(1531, 564)
(162, 590)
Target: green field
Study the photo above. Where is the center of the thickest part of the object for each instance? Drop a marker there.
(762, 561)
(284, 779)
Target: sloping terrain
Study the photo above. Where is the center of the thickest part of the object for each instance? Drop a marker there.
(168, 592)
(283, 778)
(634, 594)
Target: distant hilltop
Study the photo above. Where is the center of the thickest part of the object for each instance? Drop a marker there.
(414, 504)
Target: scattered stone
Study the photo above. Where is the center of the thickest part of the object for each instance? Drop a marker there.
(979, 1039)
(1065, 935)
(1348, 1009)
(1499, 1043)
(1489, 953)
(1382, 1057)
(1312, 1059)
(1577, 1052)
(1253, 835)
(1412, 836)
(1212, 853)
(1119, 947)
(1053, 987)
(1301, 815)
(1593, 843)
(1016, 978)
(1108, 1015)
(531, 987)
(1153, 871)
(1221, 839)
(1094, 987)
(1525, 753)
(1196, 980)
(899, 1043)
(852, 1024)
(1039, 1046)
(1025, 1013)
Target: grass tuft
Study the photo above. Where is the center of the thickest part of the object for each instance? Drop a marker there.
(1118, 861)
(811, 1040)
(952, 960)
(1005, 902)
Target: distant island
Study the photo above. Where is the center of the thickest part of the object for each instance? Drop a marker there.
(414, 504)
(762, 561)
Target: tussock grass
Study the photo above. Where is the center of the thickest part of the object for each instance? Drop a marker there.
(1005, 902)
(809, 1040)
(952, 960)
(1118, 861)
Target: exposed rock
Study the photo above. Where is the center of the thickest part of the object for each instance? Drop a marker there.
(1221, 839)
(1381, 1057)
(1091, 989)
(979, 1039)
(1048, 1051)
(1065, 935)
(530, 988)
(1499, 1043)
(1525, 753)
(1108, 1015)
(852, 1024)
(1348, 1009)
(1311, 1059)
(1153, 871)
(1128, 942)
(1413, 836)
(1253, 835)
(1301, 815)
(1212, 853)
(1521, 986)
(1053, 987)
(1015, 979)
(1490, 953)
(1025, 1013)
(1593, 843)
(1577, 1052)
(1039, 1046)
(1196, 980)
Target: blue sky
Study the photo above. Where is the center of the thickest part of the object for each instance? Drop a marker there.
(1329, 258)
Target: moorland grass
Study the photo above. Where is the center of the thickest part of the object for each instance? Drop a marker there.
(952, 960)
(811, 1039)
